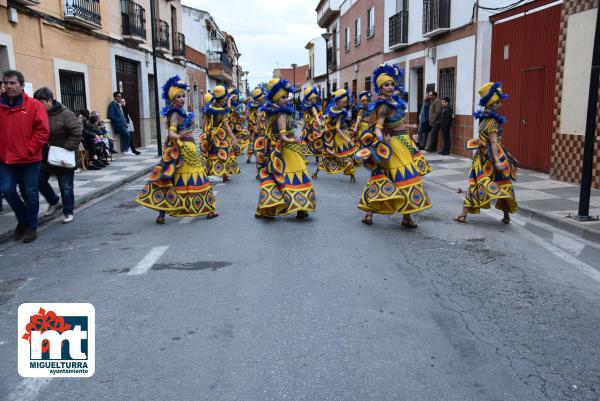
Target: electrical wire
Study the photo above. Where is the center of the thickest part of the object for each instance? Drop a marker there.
(504, 8)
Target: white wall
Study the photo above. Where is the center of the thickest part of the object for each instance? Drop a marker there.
(577, 71)
(320, 56)
(194, 29)
(464, 50)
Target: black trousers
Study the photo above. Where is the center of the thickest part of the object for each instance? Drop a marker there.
(446, 134)
(433, 137)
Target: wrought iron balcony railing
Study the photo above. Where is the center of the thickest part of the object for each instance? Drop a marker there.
(163, 43)
(133, 20)
(85, 13)
(436, 17)
(179, 45)
(220, 57)
(399, 29)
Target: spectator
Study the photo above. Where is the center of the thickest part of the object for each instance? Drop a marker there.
(65, 132)
(119, 123)
(446, 125)
(91, 137)
(423, 123)
(435, 120)
(106, 135)
(25, 130)
(130, 126)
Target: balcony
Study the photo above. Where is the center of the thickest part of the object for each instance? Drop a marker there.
(327, 12)
(436, 17)
(220, 66)
(398, 30)
(133, 22)
(28, 2)
(163, 44)
(85, 13)
(179, 46)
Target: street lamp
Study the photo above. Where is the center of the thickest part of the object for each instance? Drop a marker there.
(294, 65)
(327, 36)
(237, 70)
(246, 73)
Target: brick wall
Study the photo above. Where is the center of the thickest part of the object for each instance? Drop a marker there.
(288, 74)
(360, 60)
(567, 149)
(195, 56)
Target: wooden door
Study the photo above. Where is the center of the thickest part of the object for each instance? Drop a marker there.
(127, 83)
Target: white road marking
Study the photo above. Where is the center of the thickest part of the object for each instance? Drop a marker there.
(29, 388)
(568, 244)
(135, 187)
(148, 261)
(186, 220)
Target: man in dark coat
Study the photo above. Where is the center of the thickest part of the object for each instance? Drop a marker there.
(65, 132)
(435, 120)
(446, 125)
(24, 132)
(119, 123)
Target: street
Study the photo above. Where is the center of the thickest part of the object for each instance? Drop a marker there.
(237, 308)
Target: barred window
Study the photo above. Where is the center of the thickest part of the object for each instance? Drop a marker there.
(72, 90)
(368, 83)
(447, 84)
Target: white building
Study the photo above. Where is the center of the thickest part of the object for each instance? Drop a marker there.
(445, 46)
(317, 65)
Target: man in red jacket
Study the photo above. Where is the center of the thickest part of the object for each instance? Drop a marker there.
(24, 130)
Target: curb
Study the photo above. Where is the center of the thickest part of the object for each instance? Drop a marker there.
(563, 223)
(43, 220)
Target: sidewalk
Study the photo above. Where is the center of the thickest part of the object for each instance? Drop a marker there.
(540, 197)
(90, 184)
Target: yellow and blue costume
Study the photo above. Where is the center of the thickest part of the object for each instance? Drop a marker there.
(337, 154)
(285, 185)
(485, 182)
(254, 124)
(178, 184)
(237, 121)
(215, 144)
(397, 166)
(311, 131)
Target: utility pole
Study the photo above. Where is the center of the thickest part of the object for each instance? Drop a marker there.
(590, 130)
(155, 79)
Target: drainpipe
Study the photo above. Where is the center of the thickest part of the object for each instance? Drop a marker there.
(155, 79)
(476, 22)
(590, 130)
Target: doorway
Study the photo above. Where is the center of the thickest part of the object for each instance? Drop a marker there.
(127, 83)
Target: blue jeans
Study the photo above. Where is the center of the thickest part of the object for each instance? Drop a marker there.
(26, 177)
(65, 183)
(125, 141)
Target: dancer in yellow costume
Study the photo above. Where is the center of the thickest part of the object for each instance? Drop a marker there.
(217, 141)
(395, 162)
(254, 118)
(337, 144)
(237, 121)
(178, 184)
(285, 186)
(364, 114)
(312, 130)
(493, 168)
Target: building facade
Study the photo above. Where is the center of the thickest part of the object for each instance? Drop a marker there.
(578, 20)
(317, 64)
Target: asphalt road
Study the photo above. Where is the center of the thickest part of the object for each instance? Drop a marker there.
(327, 309)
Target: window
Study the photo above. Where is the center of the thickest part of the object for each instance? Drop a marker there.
(446, 85)
(334, 87)
(357, 32)
(371, 22)
(368, 83)
(347, 39)
(346, 85)
(72, 90)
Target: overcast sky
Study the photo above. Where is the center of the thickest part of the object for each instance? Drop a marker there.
(269, 34)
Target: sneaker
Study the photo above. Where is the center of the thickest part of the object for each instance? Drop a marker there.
(19, 231)
(128, 153)
(67, 219)
(51, 209)
(30, 235)
(93, 167)
(137, 152)
(97, 164)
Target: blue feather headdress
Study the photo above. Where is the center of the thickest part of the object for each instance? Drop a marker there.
(313, 91)
(494, 90)
(174, 81)
(363, 94)
(280, 85)
(393, 70)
